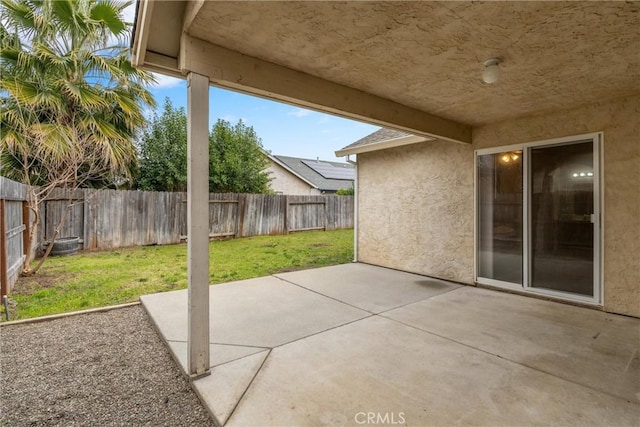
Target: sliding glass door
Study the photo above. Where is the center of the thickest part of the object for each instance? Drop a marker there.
(499, 184)
(562, 228)
(538, 218)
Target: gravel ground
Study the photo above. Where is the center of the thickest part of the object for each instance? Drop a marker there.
(95, 369)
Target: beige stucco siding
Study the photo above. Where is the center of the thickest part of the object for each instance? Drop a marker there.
(285, 182)
(416, 209)
(416, 202)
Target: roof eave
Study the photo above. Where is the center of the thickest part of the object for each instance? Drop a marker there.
(140, 55)
(382, 145)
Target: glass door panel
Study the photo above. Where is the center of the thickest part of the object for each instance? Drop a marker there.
(500, 198)
(561, 239)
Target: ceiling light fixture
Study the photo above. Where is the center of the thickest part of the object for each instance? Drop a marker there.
(510, 156)
(491, 72)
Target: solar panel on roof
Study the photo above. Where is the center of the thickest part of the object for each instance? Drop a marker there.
(330, 171)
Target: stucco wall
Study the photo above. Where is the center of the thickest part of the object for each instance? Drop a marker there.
(416, 209)
(620, 122)
(416, 202)
(285, 182)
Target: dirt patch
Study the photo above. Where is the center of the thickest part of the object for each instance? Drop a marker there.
(319, 245)
(27, 285)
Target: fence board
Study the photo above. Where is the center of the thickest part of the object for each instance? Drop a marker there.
(223, 215)
(11, 190)
(307, 213)
(4, 277)
(73, 226)
(13, 249)
(262, 214)
(339, 212)
(14, 224)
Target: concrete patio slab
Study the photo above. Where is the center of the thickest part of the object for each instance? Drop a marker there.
(371, 288)
(378, 365)
(264, 312)
(304, 348)
(224, 388)
(593, 348)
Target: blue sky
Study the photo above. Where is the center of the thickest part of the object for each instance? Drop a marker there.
(284, 129)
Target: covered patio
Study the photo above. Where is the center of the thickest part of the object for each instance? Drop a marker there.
(336, 345)
(359, 344)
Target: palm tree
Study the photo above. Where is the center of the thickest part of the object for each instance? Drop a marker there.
(71, 102)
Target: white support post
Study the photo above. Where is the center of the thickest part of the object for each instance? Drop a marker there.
(198, 224)
(356, 194)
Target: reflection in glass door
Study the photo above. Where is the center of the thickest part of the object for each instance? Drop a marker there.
(561, 207)
(500, 216)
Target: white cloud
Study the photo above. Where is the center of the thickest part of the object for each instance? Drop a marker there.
(299, 112)
(128, 15)
(129, 12)
(165, 82)
(324, 119)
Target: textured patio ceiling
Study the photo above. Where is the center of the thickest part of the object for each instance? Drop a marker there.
(427, 56)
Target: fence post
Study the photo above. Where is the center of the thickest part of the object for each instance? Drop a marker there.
(4, 278)
(85, 211)
(286, 214)
(26, 220)
(326, 202)
(43, 221)
(240, 210)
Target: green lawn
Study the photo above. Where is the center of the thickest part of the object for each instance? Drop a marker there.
(99, 279)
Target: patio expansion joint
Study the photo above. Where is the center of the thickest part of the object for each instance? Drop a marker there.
(228, 344)
(248, 385)
(241, 345)
(514, 361)
(244, 357)
(325, 330)
(365, 310)
(322, 295)
(380, 313)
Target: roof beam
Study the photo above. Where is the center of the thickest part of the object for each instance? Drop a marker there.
(234, 70)
(192, 9)
(162, 64)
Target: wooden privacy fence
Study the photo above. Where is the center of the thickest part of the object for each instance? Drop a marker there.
(243, 215)
(107, 219)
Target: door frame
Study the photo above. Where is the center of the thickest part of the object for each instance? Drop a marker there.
(598, 217)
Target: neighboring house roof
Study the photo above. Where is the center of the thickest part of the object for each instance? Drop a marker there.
(379, 140)
(320, 174)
